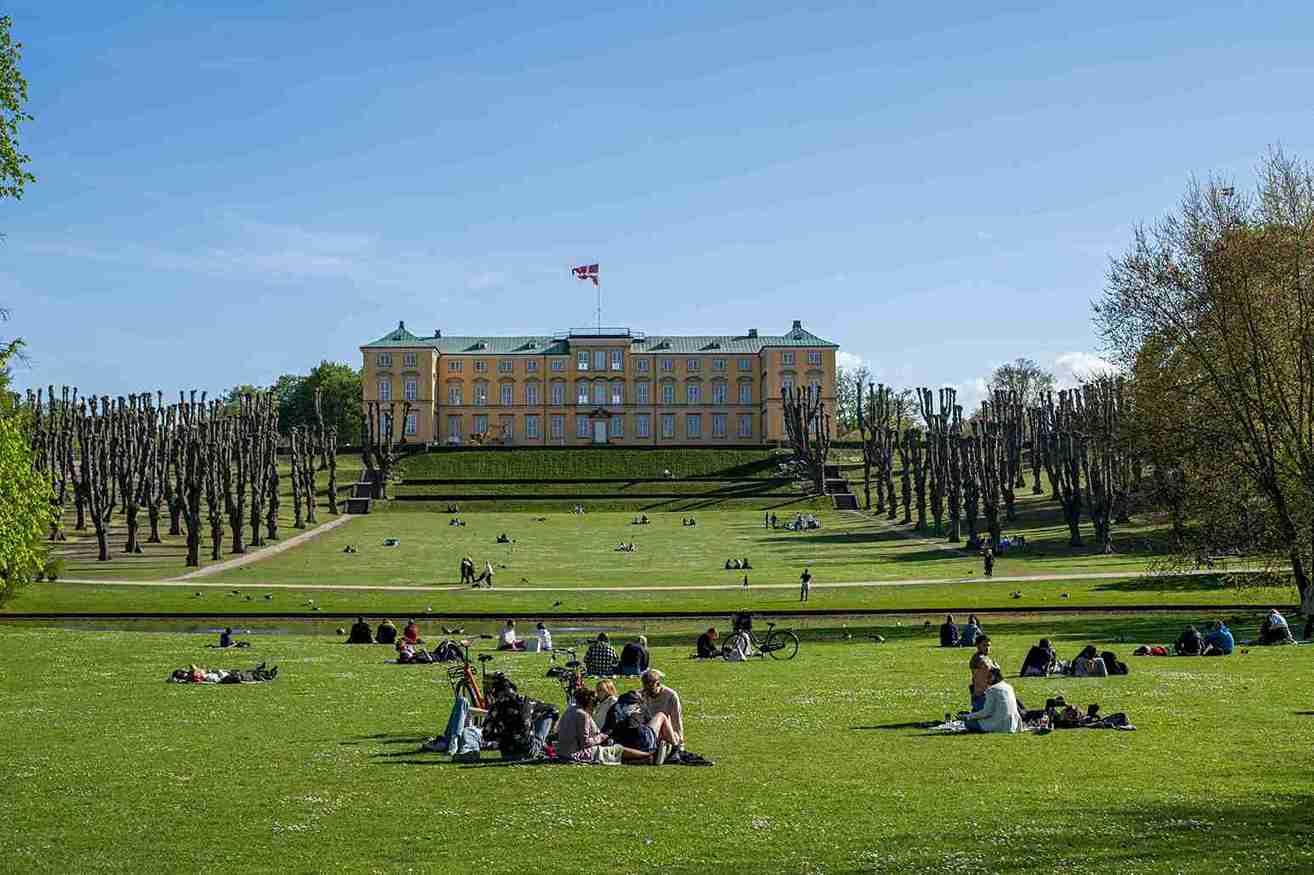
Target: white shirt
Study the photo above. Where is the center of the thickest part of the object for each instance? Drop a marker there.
(507, 637)
(1276, 620)
(544, 639)
(999, 714)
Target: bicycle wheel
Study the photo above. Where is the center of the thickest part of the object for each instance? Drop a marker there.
(463, 691)
(781, 644)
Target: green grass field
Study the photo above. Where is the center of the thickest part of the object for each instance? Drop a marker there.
(576, 463)
(820, 765)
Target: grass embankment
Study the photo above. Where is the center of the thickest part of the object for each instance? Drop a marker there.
(820, 766)
(166, 559)
(576, 463)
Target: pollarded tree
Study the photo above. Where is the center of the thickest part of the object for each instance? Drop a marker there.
(918, 456)
(943, 430)
(1107, 465)
(1069, 452)
(96, 439)
(1008, 414)
(807, 426)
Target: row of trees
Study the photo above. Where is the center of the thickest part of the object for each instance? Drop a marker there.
(147, 461)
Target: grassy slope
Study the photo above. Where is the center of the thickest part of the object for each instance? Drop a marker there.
(568, 464)
(164, 560)
(816, 770)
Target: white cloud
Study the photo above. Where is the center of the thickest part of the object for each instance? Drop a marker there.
(1073, 368)
(850, 361)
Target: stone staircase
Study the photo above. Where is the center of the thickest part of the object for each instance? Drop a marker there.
(837, 487)
(364, 492)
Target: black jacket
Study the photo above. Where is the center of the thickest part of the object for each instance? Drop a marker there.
(634, 656)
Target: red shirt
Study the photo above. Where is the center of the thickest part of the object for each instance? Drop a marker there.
(411, 633)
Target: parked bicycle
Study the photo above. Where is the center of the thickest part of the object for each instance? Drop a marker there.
(465, 683)
(778, 643)
(570, 674)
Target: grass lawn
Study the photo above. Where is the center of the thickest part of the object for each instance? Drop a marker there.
(819, 768)
(573, 463)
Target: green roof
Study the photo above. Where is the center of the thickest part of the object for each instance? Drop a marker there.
(560, 344)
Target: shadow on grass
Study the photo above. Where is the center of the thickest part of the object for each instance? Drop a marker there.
(915, 724)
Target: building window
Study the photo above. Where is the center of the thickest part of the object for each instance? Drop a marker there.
(668, 425)
(718, 393)
(718, 364)
(558, 364)
(599, 360)
(505, 366)
(643, 366)
(582, 361)
(385, 359)
(454, 396)
(745, 364)
(668, 364)
(617, 361)
(455, 366)
(787, 358)
(693, 393)
(481, 366)
(693, 364)
(532, 366)
(599, 392)
(582, 427)
(668, 393)
(531, 394)
(718, 425)
(745, 425)
(481, 423)
(814, 386)
(786, 384)
(385, 390)
(617, 393)
(411, 423)
(558, 425)
(408, 359)
(508, 428)
(454, 428)
(558, 394)
(582, 392)
(641, 425)
(745, 393)
(481, 395)
(531, 426)
(693, 425)
(616, 427)
(642, 390)
(411, 390)
(814, 358)
(508, 394)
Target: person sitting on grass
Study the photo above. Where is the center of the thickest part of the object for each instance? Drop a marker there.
(520, 725)
(544, 638)
(411, 632)
(980, 666)
(634, 658)
(604, 697)
(1041, 660)
(745, 565)
(580, 740)
(226, 638)
(999, 710)
(503, 539)
(948, 632)
(1189, 643)
(360, 632)
(707, 648)
(507, 640)
(386, 633)
(970, 632)
(600, 660)
(729, 565)
(1088, 664)
(1218, 640)
(660, 701)
(1274, 629)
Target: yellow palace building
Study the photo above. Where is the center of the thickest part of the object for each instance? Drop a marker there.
(596, 386)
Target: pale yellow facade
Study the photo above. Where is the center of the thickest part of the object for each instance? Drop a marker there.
(586, 387)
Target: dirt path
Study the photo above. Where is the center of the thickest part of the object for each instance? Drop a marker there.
(355, 587)
(263, 553)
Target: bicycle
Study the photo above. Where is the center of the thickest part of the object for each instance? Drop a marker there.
(571, 675)
(464, 683)
(778, 643)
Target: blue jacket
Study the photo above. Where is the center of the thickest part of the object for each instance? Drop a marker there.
(1220, 638)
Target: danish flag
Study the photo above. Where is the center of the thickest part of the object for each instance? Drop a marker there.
(586, 272)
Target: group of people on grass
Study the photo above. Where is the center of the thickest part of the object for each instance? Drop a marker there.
(508, 640)
(601, 659)
(952, 636)
(738, 564)
(468, 576)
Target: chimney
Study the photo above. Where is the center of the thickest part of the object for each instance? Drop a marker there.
(752, 332)
(798, 325)
(437, 332)
(401, 326)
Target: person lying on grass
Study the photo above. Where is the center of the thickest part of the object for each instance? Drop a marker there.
(580, 740)
(507, 640)
(707, 647)
(652, 735)
(1041, 660)
(408, 653)
(999, 712)
(199, 674)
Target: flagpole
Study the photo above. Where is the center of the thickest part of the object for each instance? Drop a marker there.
(599, 288)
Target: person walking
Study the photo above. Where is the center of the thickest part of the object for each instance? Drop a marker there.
(487, 576)
(989, 558)
(805, 584)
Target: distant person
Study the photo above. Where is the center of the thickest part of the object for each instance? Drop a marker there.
(386, 633)
(746, 565)
(411, 632)
(707, 647)
(507, 640)
(600, 659)
(979, 666)
(467, 570)
(1274, 629)
(970, 632)
(226, 637)
(544, 637)
(1218, 640)
(1088, 664)
(773, 521)
(948, 632)
(805, 584)
(487, 576)
(988, 557)
(999, 711)
(360, 632)
(1041, 660)
(1189, 643)
(634, 658)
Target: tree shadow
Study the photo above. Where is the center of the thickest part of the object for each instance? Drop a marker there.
(915, 724)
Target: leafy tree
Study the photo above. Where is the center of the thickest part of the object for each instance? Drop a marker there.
(340, 389)
(1024, 376)
(13, 98)
(25, 510)
(849, 383)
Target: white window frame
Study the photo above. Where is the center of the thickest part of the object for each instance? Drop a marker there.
(385, 390)
(693, 365)
(557, 425)
(455, 395)
(745, 427)
(385, 359)
(558, 364)
(643, 392)
(454, 420)
(641, 425)
(693, 426)
(787, 358)
(616, 427)
(506, 366)
(531, 426)
(481, 395)
(531, 394)
(481, 419)
(583, 426)
(531, 365)
(507, 394)
(481, 366)
(617, 360)
(745, 393)
(718, 393)
(718, 425)
(455, 366)
(617, 393)
(668, 393)
(814, 358)
(408, 360)
(668, 425)
(668, 364)
(558, 394)
(582, 392)
(582, 360)
(643, 366)
(411, 389)
(412, 424)
(599, 360)
(693, 393)
(745, 364)
(599, 393)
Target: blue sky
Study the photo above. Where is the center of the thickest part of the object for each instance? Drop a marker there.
(230, 193)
